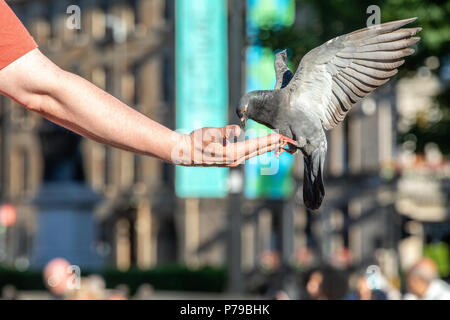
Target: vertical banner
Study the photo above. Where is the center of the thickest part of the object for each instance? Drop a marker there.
(201, 86)
(266, 176)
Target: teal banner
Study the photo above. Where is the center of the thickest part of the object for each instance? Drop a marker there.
(266, 176)
(201, 86)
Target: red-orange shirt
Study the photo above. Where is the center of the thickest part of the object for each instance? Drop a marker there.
(15, 41)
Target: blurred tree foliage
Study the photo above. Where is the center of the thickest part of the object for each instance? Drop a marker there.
(317, 21)
(164, 277)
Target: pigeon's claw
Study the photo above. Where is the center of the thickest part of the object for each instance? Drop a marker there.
(290, 151)
(280, 151)
(286, 141)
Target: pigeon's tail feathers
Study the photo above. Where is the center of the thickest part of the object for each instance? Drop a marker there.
(313, 188)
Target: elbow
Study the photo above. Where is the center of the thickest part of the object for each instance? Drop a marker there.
(40, 99)
(31, 81)
(34, 102)
(27, 97)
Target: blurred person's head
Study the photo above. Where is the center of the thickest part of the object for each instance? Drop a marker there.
(334, 284)
(282, 295)
(83, 293)
(123, 290)
(117, 295)
(365, 287)
(57, 275)
(343, 258)
(9, 292)
(314, 284)
(362, 288)
(91, 288)
(144, 292)
(419, 277)
(304, 258)
(270, 260)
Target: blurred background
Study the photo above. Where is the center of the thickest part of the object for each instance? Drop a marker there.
(79, 220)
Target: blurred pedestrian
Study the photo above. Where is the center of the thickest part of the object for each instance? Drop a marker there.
(327, 283)
(362, 290)
(92, 287)
(57, 275)
(122, 292)
(313, 284)
(9, 292)
(423, 282)
(144, 292)
(282, 295)
(334, 284)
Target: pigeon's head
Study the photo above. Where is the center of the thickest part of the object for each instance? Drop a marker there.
(281, 60)
(246, 106)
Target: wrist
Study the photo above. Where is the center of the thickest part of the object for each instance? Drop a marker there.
(180, 149)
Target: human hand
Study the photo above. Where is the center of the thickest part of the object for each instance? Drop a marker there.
(207, 147)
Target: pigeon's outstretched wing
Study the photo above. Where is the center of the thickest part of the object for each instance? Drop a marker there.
(282, 72)
(333, 77)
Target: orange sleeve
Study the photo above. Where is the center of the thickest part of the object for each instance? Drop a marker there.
(15, 41)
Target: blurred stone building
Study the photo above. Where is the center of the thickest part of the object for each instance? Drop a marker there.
(125, 48)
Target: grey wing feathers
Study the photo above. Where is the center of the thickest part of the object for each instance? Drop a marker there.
(333, 77)
(282, 72)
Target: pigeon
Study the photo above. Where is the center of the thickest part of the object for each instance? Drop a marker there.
(329, 80)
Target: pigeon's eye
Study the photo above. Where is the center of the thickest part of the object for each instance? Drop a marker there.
(243, 110)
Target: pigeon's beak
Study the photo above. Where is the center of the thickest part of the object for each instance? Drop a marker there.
(243, 122)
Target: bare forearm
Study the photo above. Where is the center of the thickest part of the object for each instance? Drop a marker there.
(82, 107)
(62, 97)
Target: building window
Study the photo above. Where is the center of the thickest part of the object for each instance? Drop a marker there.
(61, 154)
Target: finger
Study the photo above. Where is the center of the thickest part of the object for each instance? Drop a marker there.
(261, 151)
(240, 150)
(250, 146)
(254, 154)
(257, 153)
(232, 131)
(284, 138)
(238, 161)
(212, 134)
